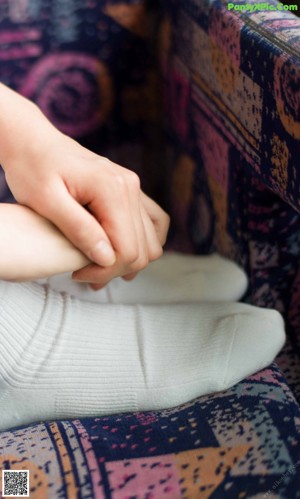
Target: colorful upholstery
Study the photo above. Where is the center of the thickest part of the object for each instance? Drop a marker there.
(229, 171)
(232, 86)
(238, 443)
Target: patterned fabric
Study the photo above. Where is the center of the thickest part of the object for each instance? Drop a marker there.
(238, 443)
(232, 85)
(232, 95)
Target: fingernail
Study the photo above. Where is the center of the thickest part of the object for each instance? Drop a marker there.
(103, 254)
(75, 278)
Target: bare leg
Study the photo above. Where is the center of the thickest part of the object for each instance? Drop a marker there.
(31, 247)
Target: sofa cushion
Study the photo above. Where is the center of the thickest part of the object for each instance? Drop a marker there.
(240, 443)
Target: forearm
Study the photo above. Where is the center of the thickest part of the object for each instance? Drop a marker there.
(23, 127)
(56, 177)
(31, 247)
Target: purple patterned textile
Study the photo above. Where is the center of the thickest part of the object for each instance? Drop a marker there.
(232, 86)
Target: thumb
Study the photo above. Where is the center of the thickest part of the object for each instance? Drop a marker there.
(80, 227)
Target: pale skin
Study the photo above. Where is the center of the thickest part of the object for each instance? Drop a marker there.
(97, 204)
(32, 247)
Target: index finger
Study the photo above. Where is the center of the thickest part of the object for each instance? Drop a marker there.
(79, 226)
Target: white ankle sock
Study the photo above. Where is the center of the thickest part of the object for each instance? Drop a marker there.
(62, 358)
(173, 278)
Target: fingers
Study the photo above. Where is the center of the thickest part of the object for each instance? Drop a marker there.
(99, 277)
(97, 287)
(94, 274)
(159, 217)
(124, 224)
(127, 277)
(122, 231)
(151, 247)
(122, 221)
(151, 231)
(78, 225)
(154, 245)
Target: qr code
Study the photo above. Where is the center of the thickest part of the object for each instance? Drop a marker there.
(15, 483)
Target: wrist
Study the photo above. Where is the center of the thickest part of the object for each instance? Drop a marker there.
(23, 129)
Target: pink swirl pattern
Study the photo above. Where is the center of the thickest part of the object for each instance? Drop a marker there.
(287, 95)
(74, 91)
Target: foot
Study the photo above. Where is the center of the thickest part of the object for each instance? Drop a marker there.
(63, 358)
(174, 278)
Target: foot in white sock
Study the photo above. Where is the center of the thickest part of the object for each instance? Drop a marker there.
(62, 358)
(173, 278)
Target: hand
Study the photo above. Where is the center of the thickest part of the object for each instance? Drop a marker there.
(157, 224)
(98, 205)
